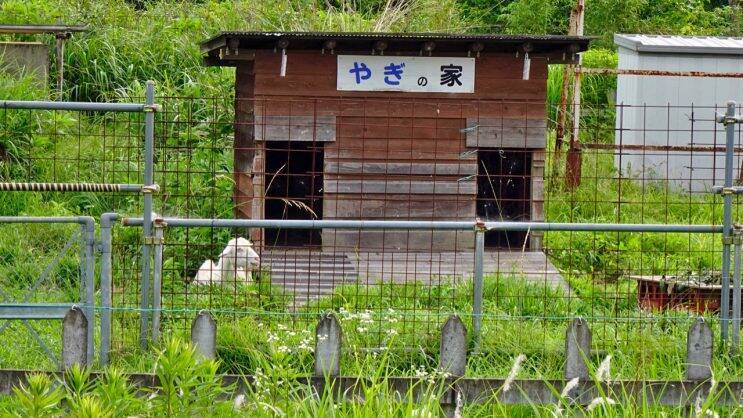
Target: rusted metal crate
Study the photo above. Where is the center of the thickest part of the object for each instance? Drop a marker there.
(691, 293)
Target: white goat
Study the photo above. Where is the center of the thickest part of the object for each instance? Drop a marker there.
(208, 273)
(238, 260)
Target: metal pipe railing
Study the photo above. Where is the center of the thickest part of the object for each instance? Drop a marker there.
(737, 241)
(727, 218)
(73, 106)
(149, 152)
(107, 221)
(428, 225)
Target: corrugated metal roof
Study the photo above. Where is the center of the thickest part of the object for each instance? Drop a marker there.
(680, 44)
(410, 42)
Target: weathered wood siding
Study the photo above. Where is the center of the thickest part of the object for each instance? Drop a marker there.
(387, 155)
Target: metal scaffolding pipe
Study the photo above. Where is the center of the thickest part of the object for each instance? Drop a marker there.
(738, 241)
(106, 285)
(727, 219)
(75, 106)
(294, 224)
(45, 219)
(89, 252)
(430, 225)
(478, 284)
(149, 158)
(601, 227)
(157, 273)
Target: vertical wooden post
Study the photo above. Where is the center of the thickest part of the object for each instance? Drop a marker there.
(328, 340)
(452, 359)
(577, 349)
(699, 351)
(574, 160)
(204, 335)
(74, 338)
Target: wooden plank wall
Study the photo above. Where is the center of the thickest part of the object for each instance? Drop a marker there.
(389, 155)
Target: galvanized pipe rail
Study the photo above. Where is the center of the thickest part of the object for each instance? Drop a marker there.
(729, 120)
(78, 106)
(427, 225)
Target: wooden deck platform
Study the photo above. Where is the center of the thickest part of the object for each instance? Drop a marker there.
(313, 274)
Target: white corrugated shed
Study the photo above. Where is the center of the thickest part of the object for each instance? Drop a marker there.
(676, 111)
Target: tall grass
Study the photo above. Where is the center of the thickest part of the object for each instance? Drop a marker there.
(189, 386)
(160, 41)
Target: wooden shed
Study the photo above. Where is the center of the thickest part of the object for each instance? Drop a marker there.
(390, 126)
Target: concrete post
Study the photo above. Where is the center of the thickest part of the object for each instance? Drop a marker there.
(453, 348)
(204, 335)
(577, 350)
(328, 340)
(452, 360)
(699, 351)
(74, 338)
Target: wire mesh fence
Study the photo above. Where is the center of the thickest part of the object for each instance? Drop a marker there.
(383, 158)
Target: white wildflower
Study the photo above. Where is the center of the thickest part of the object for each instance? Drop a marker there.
(361, 329)
(283, 349)
(596, 402)
(603, 373)
(392, 332)
(514, 372)
(420, 372)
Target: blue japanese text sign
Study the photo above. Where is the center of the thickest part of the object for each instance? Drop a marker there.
(411, 74)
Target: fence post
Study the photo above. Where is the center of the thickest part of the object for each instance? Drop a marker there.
(74, 338)
(204, 335)
(157, 274)
(699, 351)
(452, 359)
(577, 349)
(478, 279)
(727, 218)
(328, 340)
(106, 280)
(737, 242)
(149, 150)
(89, 238)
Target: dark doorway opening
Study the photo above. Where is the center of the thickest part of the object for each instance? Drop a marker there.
(504, 193)
(294, 179)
